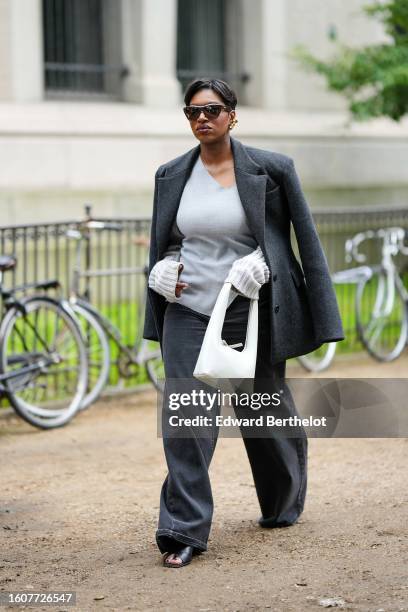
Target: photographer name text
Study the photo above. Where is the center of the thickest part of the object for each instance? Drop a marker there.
(269, 420)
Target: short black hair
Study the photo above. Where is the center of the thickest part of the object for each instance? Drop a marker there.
(220, 87)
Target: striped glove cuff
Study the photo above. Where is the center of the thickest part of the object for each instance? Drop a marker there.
(249, 273)
(163, 278)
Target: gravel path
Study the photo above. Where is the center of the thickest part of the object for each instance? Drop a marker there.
(79, 510)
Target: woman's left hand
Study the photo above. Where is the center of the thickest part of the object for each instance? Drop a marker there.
(249, 273)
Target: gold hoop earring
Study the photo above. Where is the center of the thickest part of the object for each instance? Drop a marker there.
(233, 124)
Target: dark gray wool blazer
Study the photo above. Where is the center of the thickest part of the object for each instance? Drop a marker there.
(303, 308)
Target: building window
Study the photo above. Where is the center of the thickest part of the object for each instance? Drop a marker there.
(82, 48)
(208, 35)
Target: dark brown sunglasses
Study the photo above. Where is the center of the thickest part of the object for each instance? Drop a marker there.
(211, 111)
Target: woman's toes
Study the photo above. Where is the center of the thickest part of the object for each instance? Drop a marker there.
(173, 559)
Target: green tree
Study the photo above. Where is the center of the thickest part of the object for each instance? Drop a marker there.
(374, 78)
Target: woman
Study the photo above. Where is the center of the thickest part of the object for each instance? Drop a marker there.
(222, 212)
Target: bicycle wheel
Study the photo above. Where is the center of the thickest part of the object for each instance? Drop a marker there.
(381, 314)
(43, 361)
(154, 366)
(320, 359)
(97, 347)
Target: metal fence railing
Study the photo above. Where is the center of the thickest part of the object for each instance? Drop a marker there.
(44, 252)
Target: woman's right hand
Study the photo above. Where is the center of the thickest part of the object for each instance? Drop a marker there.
(164, 279)
(179, 285)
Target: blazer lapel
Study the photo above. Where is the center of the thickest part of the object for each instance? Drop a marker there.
(251, 184)
(170, 189)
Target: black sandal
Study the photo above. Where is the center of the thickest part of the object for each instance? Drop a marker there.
(185, 554)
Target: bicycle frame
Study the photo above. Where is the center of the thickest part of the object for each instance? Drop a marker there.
(352, 276)
(139, 352)
(111, 330)
(22, 372)
(393, 243)
(388, 284)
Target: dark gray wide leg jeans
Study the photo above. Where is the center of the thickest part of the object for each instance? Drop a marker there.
(278, 464)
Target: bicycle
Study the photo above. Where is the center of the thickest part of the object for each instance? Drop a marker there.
(100, 331)
(43, 361)
(381, 299)
(381, 305)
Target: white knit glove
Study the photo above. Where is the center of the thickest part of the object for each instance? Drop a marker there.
(249, 273)
(164, 276)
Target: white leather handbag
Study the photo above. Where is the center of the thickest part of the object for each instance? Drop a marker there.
(218, 362)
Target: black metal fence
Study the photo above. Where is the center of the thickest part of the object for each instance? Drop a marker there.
(45, 251)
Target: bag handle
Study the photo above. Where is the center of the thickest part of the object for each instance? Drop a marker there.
(216, 322)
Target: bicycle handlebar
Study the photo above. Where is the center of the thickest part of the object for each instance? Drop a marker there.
(102, 225)
(82, 229)
(393, 239)
(352, 245)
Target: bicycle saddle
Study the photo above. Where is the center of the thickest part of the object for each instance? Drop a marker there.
(7, 262)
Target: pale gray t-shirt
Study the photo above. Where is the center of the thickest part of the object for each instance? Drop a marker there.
(214, 232)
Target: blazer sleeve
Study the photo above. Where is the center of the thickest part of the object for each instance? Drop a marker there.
(153, 243)
(320, 291)
(175, 239)
(155, 301)
(150, 331)
(164, 274)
